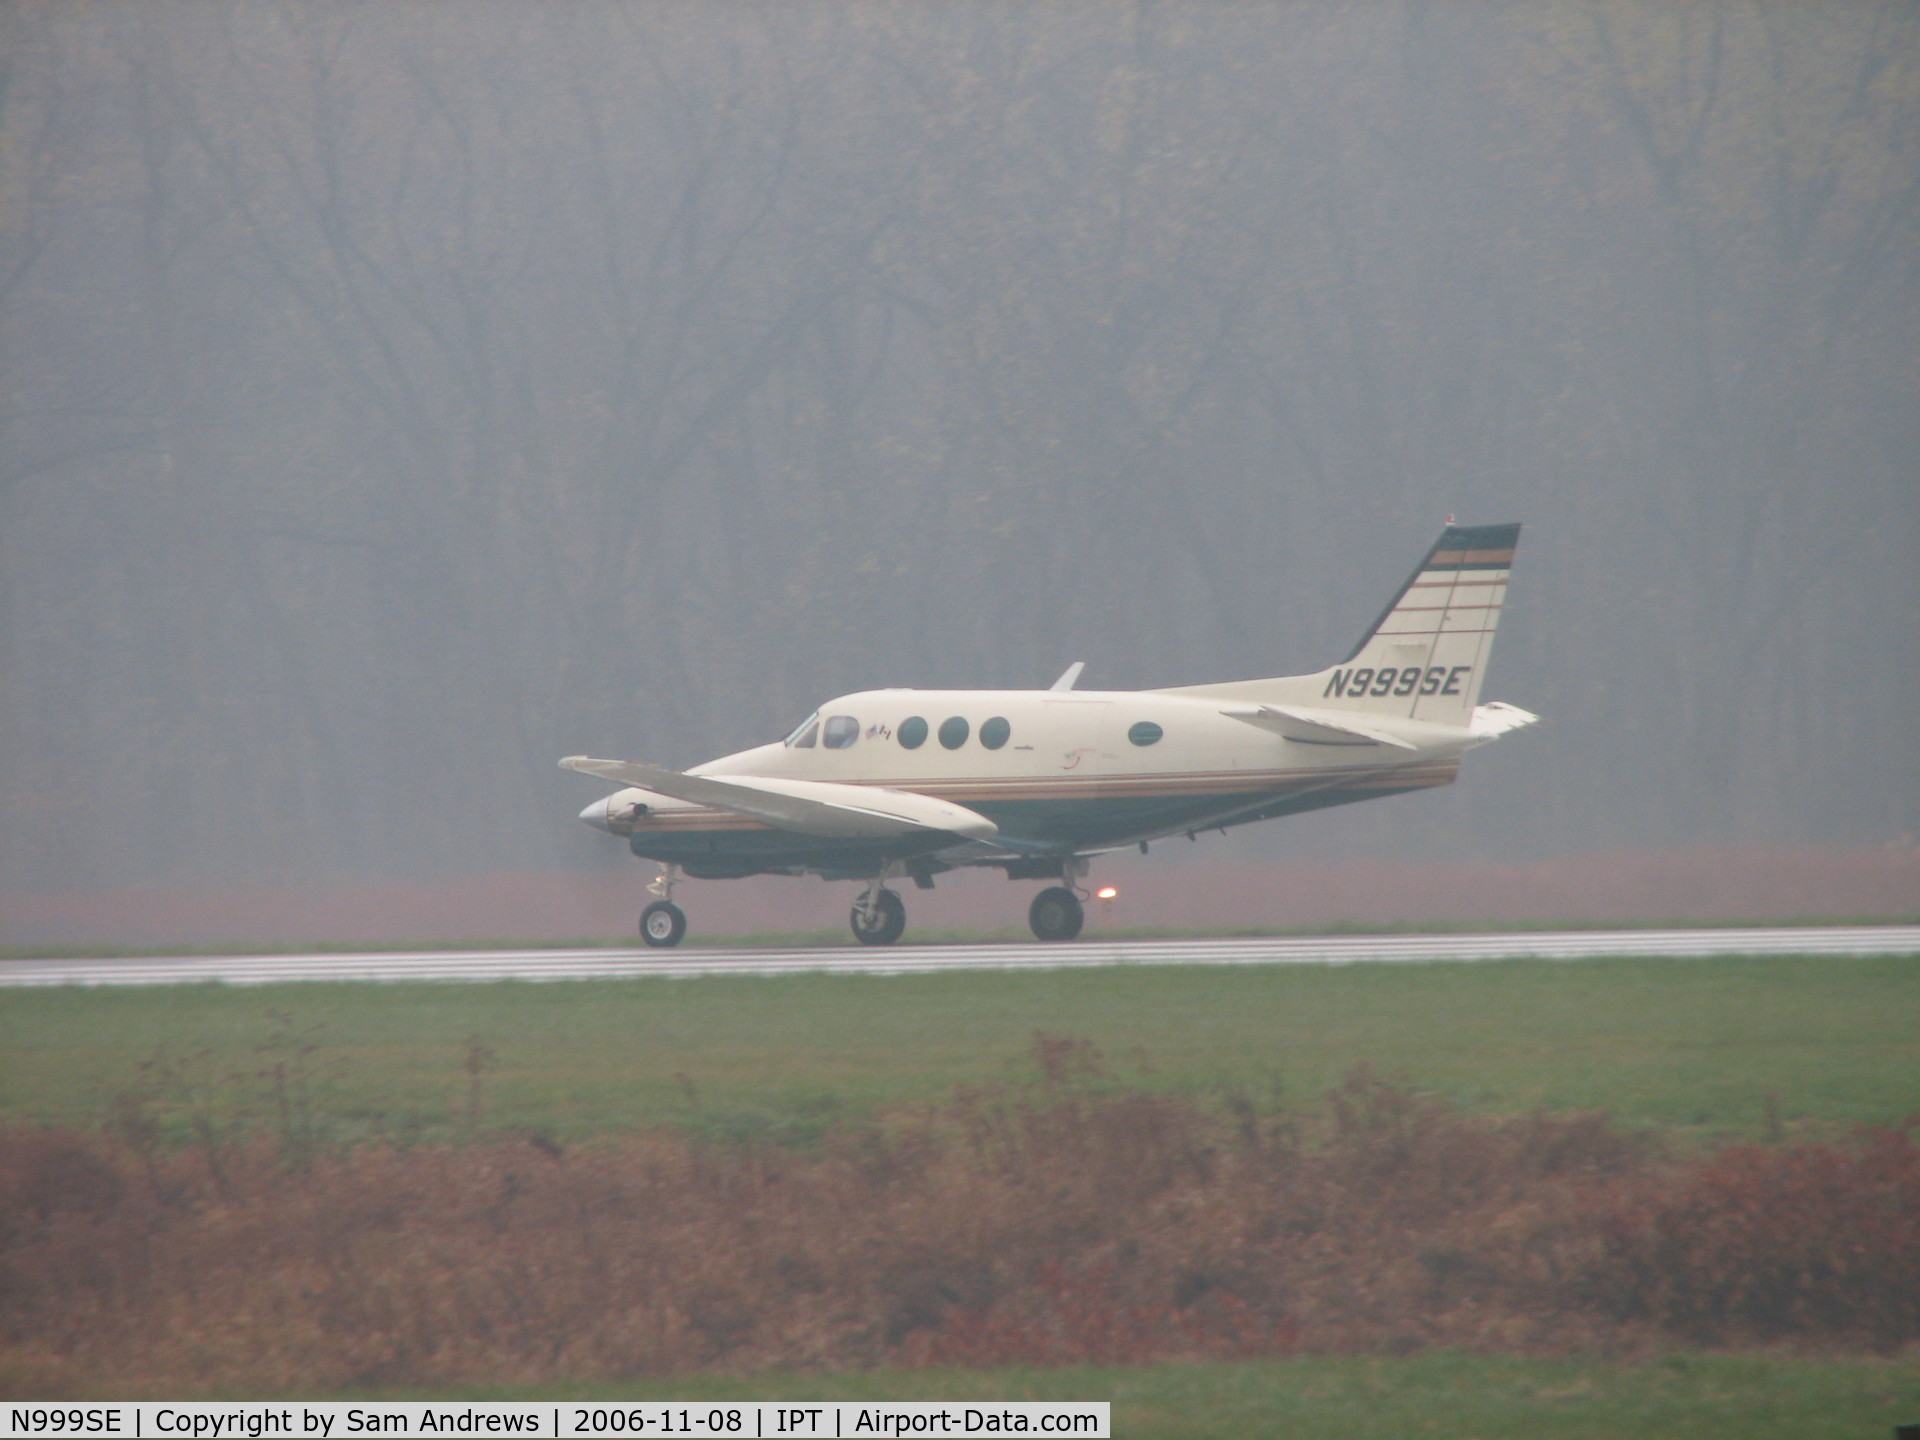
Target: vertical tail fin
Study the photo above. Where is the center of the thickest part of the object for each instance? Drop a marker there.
(1427, 654)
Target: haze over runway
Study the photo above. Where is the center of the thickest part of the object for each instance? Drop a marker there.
(402, 397)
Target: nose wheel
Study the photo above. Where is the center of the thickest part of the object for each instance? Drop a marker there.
(1056, 914)
(663, 924)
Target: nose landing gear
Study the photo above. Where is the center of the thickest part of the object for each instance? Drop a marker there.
(663, 924)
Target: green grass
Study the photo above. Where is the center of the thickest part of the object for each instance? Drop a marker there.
(1429, 1396)
(1688, 1046)
(1691, 1047)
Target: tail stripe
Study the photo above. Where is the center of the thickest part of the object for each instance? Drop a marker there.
(1471, 559)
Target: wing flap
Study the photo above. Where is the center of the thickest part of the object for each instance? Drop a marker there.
(811, 807)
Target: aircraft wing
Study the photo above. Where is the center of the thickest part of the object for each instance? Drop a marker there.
(811, 807)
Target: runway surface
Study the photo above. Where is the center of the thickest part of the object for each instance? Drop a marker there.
(691, 961)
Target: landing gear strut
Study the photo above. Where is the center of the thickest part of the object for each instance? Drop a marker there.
(879, 916)
(663, 924)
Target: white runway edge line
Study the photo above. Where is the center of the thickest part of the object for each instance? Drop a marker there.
(542, 965)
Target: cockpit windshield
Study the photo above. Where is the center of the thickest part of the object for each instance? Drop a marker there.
(806, 733)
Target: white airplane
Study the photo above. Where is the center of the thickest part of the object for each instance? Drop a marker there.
(890, 783)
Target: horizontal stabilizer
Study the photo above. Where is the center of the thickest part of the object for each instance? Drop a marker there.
(1497, 717)
(811, 807)
(1319, 727)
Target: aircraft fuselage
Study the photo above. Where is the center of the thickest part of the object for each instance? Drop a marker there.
(1055, 772)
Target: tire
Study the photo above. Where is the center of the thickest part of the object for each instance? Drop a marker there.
(885, 925)
(663, 925)
(1056, 914)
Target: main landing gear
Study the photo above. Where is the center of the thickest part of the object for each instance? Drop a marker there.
(1056, 914)
(879, 916)
(663, 924)
(880, 923)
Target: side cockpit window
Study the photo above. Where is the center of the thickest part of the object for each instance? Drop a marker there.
(840, 732)
(805, 733)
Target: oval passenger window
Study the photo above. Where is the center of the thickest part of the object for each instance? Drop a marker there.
(994, 732)
(913, 733)
(840, 732)
(953, 732)
(1143, 732)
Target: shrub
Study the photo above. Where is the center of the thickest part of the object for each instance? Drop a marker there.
(1068, 1220)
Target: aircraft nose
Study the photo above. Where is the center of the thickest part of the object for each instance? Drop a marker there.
(596, 814)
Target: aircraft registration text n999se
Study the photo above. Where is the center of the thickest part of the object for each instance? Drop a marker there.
(883, 784)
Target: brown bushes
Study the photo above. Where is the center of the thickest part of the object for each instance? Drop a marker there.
(1757, 1244)
(1061, 1222)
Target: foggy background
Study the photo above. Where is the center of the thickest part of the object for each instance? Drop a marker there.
(394, 399)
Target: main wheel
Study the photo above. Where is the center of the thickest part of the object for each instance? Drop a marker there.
(884, 923)
(663, 924)
(1056, 914)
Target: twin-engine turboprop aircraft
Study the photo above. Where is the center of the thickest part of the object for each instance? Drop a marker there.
(891, 783)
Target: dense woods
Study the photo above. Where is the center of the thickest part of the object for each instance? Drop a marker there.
(397, 398)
